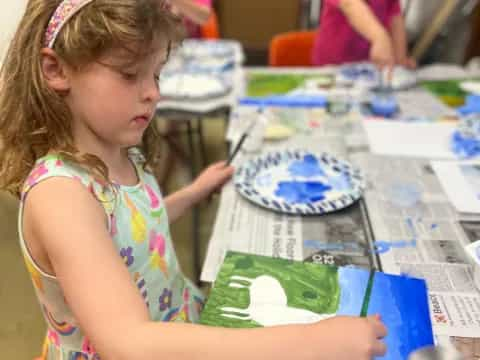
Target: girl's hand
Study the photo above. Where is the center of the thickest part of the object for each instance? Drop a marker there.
(211, 179)
(349, 337)
(408, 62)
(381, 52)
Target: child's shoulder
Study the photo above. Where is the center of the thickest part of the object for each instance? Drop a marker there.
(54, 165)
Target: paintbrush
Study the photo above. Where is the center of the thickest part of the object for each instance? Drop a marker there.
(368, 293)
(240, 142)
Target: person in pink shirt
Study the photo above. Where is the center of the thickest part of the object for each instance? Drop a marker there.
(195, 12)
(359, 30)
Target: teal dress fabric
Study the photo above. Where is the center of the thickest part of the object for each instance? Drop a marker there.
(138, 225)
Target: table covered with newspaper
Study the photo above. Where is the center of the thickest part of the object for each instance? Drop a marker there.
(404, 224)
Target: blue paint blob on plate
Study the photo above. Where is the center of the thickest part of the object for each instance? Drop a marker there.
(299, 182)
(308, 167)
(295, 192)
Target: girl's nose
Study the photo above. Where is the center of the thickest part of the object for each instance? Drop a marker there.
(150, 91)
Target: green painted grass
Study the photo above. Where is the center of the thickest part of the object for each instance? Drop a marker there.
(307, 286)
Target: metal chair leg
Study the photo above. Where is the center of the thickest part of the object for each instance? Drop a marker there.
(201, 141)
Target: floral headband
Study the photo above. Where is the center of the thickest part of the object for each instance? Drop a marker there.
(64, 12)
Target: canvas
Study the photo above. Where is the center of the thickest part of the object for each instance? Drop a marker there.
(255, 291)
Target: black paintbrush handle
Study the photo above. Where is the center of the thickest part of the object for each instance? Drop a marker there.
(237, 148)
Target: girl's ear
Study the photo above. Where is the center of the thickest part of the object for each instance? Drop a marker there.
(54, 71)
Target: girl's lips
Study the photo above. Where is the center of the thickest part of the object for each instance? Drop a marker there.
(141, 120)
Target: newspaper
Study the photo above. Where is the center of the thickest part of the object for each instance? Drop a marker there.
(404, 225)
(418, 103)
(417, 232)
(339, 239)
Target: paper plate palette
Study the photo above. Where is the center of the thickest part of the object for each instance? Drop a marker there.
(210, 64)
(360, 73)
(299, 182)
(201, 48)
(193, 86)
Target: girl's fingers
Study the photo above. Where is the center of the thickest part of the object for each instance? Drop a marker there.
(379, 329)
(379, 348)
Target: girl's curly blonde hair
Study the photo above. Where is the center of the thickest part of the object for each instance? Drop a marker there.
(34, 119)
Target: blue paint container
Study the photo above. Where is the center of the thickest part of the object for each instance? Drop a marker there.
(384, 105)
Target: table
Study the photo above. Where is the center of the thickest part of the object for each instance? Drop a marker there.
(369, 234)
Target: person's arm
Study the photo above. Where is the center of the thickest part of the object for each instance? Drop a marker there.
(208, 181)
(112, 314)
(399, 39)
(197, 13)
(364, 21)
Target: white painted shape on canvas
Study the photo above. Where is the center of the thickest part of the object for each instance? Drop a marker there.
(268, 304)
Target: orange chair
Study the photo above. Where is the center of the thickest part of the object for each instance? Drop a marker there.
(210, 29)
(292, 49)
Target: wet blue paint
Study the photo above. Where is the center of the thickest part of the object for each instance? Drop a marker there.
(472, 105)
(402, 303)
(298, 192)
(464, 147)
(340, 183)
(353, 285)
(385, 106)
(382, 247)
(308, 167)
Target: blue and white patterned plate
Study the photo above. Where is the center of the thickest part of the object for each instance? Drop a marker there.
(299, 182)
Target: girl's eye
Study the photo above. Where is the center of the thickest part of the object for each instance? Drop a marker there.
(129, 76)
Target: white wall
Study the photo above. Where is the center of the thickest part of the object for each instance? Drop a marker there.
(11, 12)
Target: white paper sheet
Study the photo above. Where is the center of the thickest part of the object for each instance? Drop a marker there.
(429, 140)
(461, 182)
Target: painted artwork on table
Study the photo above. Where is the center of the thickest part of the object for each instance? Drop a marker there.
(448, 91)
(257, 291)
(263, 84)
(299, 182)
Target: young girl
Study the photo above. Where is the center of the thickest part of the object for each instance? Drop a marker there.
(78, 92)
(359, 30)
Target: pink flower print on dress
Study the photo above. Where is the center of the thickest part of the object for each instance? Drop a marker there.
(88, 348)
(185, 313)
(138, 225)
(113, 225)
(157, 210)
(157, 252)
(53, 337)
(37, 173)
